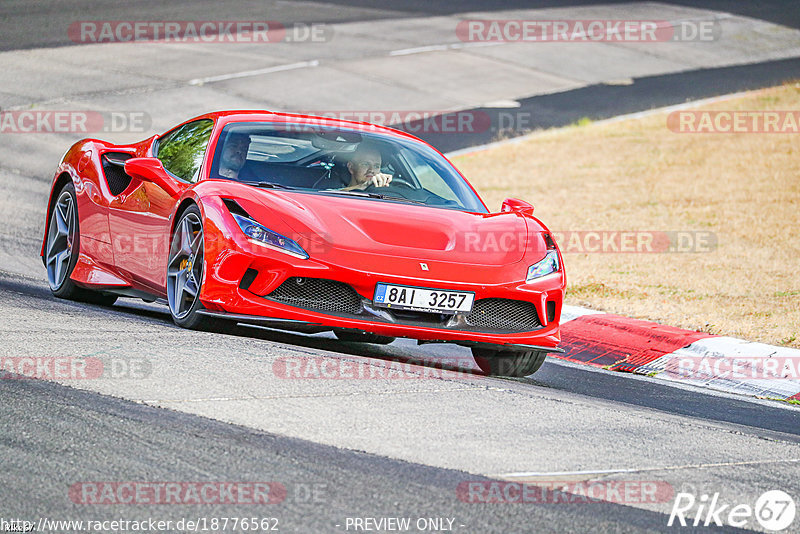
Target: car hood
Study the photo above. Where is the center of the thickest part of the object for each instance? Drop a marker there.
(401, 230)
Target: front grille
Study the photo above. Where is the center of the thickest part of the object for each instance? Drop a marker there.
(504, 314)
(318, 294)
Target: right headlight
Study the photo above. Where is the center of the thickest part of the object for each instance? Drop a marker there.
(269, 238)
(548, 265)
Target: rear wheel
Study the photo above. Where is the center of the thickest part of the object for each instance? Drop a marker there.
(362, 337)
(185, 269)
(62, 248)
(508, 363)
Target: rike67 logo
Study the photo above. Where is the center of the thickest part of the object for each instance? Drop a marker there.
(774, 510)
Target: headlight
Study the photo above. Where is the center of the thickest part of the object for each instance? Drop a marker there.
(266, 237)
(548, 265)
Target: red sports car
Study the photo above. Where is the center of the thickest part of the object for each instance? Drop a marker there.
(307, 224)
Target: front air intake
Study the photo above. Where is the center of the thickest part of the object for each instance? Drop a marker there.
(504, 314)
(114, 170)
(318, 294)
(248, 278)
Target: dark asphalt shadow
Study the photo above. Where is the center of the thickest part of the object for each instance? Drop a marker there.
(597, 102)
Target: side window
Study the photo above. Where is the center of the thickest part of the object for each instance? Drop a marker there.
(182, 150)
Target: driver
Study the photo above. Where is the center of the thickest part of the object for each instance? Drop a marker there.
(234, 155)
(365, 169)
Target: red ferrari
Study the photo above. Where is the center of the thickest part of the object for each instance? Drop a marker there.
(307, 224)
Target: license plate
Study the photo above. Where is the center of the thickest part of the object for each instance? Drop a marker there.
(423, 299)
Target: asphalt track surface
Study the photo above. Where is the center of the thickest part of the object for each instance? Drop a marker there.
(211, 409)
(604, 101)
(54, 436)
(121, 440)
(31, 25)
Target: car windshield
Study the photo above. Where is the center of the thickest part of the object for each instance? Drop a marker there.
(319, 159)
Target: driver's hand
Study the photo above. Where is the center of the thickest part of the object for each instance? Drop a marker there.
(379, 180)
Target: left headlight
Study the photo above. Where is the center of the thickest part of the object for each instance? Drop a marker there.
(266, 237)
(548, 265)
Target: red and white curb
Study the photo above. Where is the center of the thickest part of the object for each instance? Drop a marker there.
(723, 363)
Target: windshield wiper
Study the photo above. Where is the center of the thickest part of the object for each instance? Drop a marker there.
(401, 199)
(375, 195)
(269, 185)
(353, 193)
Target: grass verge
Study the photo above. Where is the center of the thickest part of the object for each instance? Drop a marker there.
(638, 175)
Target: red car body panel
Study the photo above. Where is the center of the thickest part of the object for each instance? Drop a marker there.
(124, 242)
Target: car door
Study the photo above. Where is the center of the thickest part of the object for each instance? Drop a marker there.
(139, 220)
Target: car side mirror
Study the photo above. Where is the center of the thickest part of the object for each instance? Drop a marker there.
(517, 205)
(152, 170)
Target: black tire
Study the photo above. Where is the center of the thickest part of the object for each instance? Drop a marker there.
(62, 248)
(508, 363)
(362, 337)
(185, 270)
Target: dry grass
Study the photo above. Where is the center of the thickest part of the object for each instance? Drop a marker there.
(639, 175)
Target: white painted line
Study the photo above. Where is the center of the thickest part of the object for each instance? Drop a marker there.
(258, 72)
(308, 396)
(418, 50)
(563, 473)
(440, 48)
(541, 474)
(619, 81)
(502, 104)
(477, 44)
(569, 313)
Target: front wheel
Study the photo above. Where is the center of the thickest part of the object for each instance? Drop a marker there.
(508, 363)
(185, 269)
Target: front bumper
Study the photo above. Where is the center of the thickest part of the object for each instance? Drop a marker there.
(241, 277)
